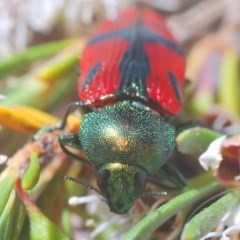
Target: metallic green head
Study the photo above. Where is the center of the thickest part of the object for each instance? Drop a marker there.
(121, 184)
(125, 143)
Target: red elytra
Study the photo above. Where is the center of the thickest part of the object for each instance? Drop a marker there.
(134, 57)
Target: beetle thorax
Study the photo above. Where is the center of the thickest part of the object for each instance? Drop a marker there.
(127, 133)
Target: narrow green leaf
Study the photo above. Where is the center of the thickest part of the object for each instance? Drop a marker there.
(53, 206)
(54, 71)
(24, 59)
(19, 219)
(7, 218)
(26, 93)
(6, 186)
(32, 174)
(229, 81)
(36, 93)
(156, 218)
(40, 226)
(66, 222)
(210, 217)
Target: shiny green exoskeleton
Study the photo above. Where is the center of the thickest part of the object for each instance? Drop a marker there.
(125, 143)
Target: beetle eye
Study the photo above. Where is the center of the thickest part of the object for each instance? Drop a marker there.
(140, 182)
(103, 179)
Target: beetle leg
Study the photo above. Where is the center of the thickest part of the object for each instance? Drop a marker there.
(169, 177)
(190, 124)
(72, 106)
(72, 141)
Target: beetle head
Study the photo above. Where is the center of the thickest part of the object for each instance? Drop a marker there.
(121, 184)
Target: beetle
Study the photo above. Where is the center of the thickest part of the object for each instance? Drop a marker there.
(131, 83)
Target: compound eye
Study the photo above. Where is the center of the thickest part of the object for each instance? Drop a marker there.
(140, 182)
(103, 180)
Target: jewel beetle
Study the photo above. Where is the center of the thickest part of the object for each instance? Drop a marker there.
(131, 82)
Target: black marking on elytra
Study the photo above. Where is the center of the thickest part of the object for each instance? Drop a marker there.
(175, 85)
(92, 72)
(134, 65)
(146, 34)
(150, 36)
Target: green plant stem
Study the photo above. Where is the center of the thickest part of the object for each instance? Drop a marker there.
(153, 220)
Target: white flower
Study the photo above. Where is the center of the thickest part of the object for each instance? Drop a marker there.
(96, 205)
(73, 201)
(21, 19)
(2, 97)
(230, 230)
(3, 159)
(212, 157)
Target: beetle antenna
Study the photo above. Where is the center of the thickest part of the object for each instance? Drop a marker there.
(152, 194)
(83, 183)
